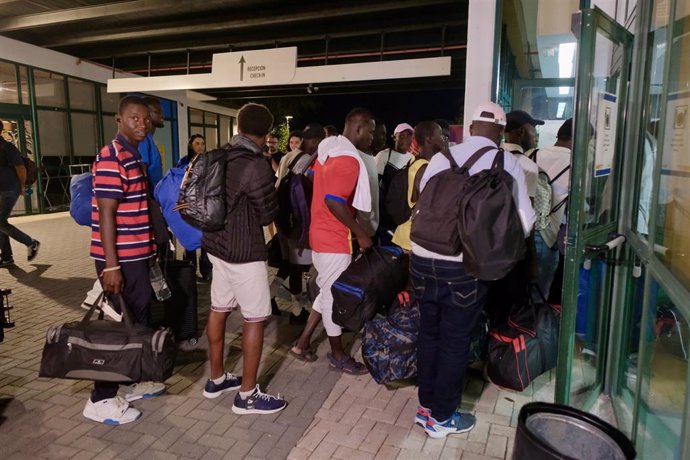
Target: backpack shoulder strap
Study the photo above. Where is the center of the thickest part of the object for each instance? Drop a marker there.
(477, 155)
(295, 160)
(559, 175)
(533, 156)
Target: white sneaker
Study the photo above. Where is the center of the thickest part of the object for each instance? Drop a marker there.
(108, 310)
(141, 390)
(113, 411)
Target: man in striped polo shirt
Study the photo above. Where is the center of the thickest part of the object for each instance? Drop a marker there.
(122, 246)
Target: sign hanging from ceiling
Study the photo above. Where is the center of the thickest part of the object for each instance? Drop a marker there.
(256, 68)
(278, 66)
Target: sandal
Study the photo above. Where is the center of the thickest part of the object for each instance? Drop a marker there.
(347, 364)
(307, 355)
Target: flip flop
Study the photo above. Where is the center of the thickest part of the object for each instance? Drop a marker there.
(307, 355)
(347, 365)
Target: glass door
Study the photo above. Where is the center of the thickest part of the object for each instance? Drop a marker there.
(595, 249)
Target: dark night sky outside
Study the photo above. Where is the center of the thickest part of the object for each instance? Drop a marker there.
(393, 108)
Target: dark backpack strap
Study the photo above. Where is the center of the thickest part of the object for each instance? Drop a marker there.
(499, 160)
(559, 205)
(295, 160)
(477, 155)
(559, 175)
(533, 156)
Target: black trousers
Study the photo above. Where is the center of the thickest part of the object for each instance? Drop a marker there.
(136, 294)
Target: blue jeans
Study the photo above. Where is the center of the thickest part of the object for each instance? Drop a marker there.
(450, 303)
(7, 230)
(547, 263)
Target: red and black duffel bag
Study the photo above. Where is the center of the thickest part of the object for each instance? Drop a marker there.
(526, 346)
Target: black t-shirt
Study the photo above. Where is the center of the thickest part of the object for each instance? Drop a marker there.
(9, 158)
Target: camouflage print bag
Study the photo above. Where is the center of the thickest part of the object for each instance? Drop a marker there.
(389, 344)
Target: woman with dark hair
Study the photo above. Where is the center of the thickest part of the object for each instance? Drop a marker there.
(197, 146)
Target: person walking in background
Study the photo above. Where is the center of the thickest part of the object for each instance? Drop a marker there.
(12, 179)
(197, 146)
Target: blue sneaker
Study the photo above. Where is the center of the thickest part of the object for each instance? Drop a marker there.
(456, 424)
(422, 416)
(231, 382)
(258, 403)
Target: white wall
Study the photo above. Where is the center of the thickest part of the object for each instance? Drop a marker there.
(480, 56)
(27, 54)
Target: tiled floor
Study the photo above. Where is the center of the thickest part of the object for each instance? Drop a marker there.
(329, 415)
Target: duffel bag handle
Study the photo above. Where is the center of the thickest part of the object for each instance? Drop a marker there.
(126, 313)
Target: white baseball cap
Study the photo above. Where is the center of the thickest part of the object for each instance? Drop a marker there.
(402, 127)
(490, 112)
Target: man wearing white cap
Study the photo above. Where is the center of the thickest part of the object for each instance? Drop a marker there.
(450, 299)
(387, 162)
(398, 156)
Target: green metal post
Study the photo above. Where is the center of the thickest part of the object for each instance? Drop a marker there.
(576, 211)
(37, 141)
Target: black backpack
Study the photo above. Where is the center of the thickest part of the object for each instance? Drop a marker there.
(202, 195)
(489, 226)
(393, 195)
(435, 214)
(395, 201)
(294, 203)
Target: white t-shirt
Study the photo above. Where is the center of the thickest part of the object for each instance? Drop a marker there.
(529, 167)
(553, 160)
(390, 156)
(370, 220)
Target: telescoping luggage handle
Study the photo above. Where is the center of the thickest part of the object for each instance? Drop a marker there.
(98, 304)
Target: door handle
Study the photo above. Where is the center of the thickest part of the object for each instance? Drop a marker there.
(615, 241)
(595, 249)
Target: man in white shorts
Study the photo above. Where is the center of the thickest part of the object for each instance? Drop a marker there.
(238, 254)
(341, 186)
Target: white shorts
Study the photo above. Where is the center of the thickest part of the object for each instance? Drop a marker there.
(329, 267)
(241, 285)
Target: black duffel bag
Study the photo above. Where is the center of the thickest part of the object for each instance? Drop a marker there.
(370, 282)
(108, 351)
(526, 346)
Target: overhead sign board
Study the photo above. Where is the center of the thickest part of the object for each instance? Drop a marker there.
(256, 68)
(278, 66)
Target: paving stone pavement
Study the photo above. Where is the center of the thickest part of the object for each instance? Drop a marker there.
(329, 415)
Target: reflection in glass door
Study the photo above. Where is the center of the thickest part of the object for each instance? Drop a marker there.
(593, 245)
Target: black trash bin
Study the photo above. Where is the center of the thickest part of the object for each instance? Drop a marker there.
(554, 432)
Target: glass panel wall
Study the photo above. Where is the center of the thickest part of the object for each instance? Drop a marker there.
(225, 130)
(49, 89)
(109, 101)
(8, 83)
(85, 135)
(216, 128)
(674, 189)
(663, 376)
(81, 94)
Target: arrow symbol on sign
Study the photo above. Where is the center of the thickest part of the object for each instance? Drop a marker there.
(242, 61)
